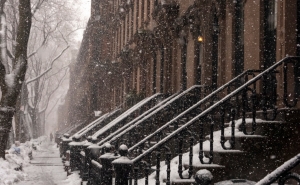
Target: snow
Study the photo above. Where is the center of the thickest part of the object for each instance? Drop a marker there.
(10, 79)
(196, 162)
(122, 160)
(103, 141)
(123, 147)
(204, 174)
(89, 126)
(168, 103)
(45, 168)
(280, 170)
(13, 161)
(98, 113)
(8, 174)
(124, 115)
(73, 179)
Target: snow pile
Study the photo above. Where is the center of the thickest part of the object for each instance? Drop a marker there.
(8, 174)
(19, 155)
(16, 158)
(73, 179)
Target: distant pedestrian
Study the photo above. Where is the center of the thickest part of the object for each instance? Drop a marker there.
(51, 136)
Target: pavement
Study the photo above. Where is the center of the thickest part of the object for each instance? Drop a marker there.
(46, 167)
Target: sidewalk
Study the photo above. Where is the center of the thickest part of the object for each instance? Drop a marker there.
(46, 168)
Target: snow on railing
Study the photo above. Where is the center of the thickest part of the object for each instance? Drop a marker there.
(280, 171)
(206, 111)
(124, 115)
(137, 119)
(90, 125)
(156, 111)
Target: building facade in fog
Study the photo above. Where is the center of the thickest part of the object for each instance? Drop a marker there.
(136, 48)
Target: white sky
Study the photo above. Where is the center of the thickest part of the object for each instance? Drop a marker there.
(85, 11)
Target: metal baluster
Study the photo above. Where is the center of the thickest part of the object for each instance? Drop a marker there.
(253, 98)
(130, 177)
(180, 152)
(211, 140)
(201, 153)
(244, 95)
(136, 171)
(116, 147)
(222, 139)
(191, 157)
(157, 182)
(168, 162)
(201, 139)
(147, 170)
(232, 139)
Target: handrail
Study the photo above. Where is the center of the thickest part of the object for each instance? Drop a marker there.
(65, 130)
(136, 119)
(91, 124)
(124, 115)
(104, 116)
(208, 110)
(194, 106)
(157, 110)
(281, 171)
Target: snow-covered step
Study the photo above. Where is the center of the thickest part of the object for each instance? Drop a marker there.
(183, 181)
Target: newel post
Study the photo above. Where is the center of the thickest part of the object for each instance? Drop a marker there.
(122, 166)
(203, 177)
(107, 167)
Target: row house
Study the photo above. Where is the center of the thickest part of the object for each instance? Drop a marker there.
(189, 89)
(150, 46)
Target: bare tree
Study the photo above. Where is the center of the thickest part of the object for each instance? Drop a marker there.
(51, 33)
(12, 77)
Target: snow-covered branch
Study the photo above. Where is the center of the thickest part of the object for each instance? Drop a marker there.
(47, 70)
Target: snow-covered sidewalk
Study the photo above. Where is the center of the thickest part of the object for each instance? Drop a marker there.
(46, 167)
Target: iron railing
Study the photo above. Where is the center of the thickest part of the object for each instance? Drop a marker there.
(257, 93)
(133, 132)
(175, 102)
(173, 105)
(282, 173)
(82, 162)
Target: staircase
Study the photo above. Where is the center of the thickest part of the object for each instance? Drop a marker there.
(80, 139)
(245, 147)
(243, 130)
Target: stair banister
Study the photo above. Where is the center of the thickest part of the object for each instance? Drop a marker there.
(205, 112)
(152, 113)
(282, 173)
(106, 139)
(194, 106)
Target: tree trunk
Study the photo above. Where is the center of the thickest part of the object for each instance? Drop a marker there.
(10, 91)
(5, 126)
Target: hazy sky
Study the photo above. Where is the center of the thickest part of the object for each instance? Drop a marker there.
(85, 11)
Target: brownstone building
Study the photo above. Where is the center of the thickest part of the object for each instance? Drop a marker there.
(137, 48)
(140, 47)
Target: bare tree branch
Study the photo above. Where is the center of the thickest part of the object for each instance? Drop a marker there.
(52, 92)
(37, 6)
(47, 70)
